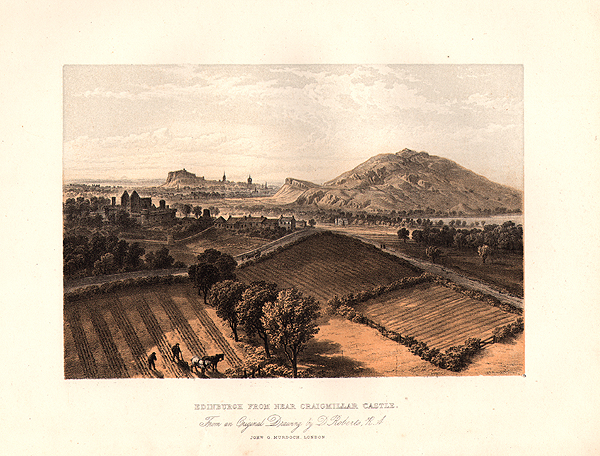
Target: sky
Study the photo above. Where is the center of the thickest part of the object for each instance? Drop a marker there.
(309, 122)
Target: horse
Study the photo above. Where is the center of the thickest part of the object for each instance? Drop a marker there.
(196, 363)
(213, 360)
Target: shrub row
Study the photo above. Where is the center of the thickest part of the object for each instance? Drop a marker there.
(510, 330)
(256, 365)
(363, 296)
(454, 358)
(110, 287)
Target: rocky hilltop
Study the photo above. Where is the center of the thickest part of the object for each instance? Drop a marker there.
(407, 180)
(292, 189)
(182, 178)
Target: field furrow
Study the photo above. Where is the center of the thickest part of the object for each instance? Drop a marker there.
(189, 336)
(157, 335)
(434, 314)
(131, 338)
(213, 331)
(84, 351)
(115, 361)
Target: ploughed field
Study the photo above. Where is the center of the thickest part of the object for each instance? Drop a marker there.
(111, 336)
(435, 314)
(327, 265)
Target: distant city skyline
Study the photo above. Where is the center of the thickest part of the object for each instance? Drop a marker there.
(309, 122)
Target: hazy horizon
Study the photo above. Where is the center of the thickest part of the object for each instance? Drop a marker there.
(309, 122)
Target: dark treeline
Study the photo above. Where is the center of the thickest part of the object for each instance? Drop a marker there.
(409, 218)
(507, 236)
(84, 212)
(101, 254)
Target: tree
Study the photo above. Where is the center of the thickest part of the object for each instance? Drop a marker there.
(403, 234)
(105, 265)
(312, 222)
(120, 252)
(226, 266)
(209, 256)
(251, 310)
(484, 252)
(186, 210)
(433, 253)
(459, 240)
(225, 296)
(290, 323)
(197, 211)
(204, 276)
(124, 220)
(222, 267)
(134, 255)
(162, 259)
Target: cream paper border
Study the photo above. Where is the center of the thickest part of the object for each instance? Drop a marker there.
(552, 410)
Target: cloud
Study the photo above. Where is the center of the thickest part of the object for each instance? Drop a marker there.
(507, 104)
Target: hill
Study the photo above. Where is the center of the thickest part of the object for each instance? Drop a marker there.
(292, 189)
(183, 178)
(328, 264)
(406, 180)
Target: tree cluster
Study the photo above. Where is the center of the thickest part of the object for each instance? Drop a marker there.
(283, 319)
(101, 254)
(212, 267)
(507, 236)
(80, 211)
(190, 226)
(83, 212)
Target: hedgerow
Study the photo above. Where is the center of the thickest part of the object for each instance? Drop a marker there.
(109, 287)
(510, 330)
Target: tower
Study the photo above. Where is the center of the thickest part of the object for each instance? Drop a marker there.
(249, 180)
(224, 177)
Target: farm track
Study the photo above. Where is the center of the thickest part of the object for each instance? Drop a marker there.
(213, 331)
(116, 364)
(86, 358)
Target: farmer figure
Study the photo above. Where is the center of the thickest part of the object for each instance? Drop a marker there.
(176, 352)
(151, 361)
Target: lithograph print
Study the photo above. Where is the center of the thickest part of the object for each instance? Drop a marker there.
(292, 221)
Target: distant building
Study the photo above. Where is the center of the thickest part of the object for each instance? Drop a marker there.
(251, 222)
(220, 223)
(140, 209)
(289, 223)
(249, 180)
(341, 221)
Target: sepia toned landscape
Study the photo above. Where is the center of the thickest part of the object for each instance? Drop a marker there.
(207, 236)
